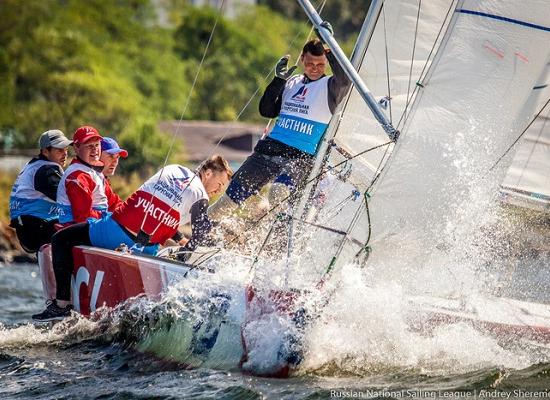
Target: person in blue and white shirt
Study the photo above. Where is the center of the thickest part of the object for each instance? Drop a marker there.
(303, 104)
(33, 206)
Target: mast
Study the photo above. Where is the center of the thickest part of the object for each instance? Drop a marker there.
(346, 65)
(358, 54)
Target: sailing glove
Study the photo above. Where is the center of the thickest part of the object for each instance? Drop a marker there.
(281, 69)
(327, 26)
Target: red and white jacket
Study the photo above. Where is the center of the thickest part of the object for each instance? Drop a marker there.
(162, 203)
(84, 193)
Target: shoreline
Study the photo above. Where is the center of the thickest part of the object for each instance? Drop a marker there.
(10, 249)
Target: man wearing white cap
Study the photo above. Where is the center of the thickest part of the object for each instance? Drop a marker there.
(33, 207)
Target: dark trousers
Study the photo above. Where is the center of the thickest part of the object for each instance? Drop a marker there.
(62, 255)
(271, 159)
(33, 232)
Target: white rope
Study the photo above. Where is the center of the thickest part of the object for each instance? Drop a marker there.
(176, 132)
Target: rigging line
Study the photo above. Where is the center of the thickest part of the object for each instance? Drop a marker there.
(330, 269)
(542, 129)
(330, 213)
(314, 178)
(387, 61)
(176, 132)
(517, 139)
(366, 247)
(380, 168)
(351, 226)
(412, 56)
(326, 228)
(289, 48)
(335, 210)
(321, 172)
(422, 76)
(188, 100)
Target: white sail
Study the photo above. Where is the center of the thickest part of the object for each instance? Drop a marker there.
(527, 182)
(390, 73)
(473, 80)
(463, 119)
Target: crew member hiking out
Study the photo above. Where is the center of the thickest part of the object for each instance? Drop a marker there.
(168, 200)
(304, 105)
(33, 206)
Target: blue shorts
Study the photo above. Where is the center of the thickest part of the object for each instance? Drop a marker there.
(108, 234)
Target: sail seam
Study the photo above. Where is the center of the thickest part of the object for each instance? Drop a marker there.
(505, 19)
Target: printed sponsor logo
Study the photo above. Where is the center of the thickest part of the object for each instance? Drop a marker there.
(300, 95)
(54, 210)
(180, 183)
(15, 205)
(83, 277)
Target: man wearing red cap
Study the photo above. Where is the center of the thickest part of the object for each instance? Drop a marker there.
(83, 192)
(153, 214)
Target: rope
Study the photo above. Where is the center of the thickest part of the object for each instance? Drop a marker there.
(176, 132)
(412, 56)
(322, 171)
(263, 80)
(387, 61)
(366, 247)
(422, 76)
(519, 137)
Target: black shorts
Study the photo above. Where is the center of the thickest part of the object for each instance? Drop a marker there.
(271, 159)
(33, 232)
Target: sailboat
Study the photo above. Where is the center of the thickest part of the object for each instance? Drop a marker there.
(407, 176)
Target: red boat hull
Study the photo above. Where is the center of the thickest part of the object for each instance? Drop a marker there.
(107, 278)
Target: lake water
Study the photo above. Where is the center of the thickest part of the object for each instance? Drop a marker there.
(79, 359)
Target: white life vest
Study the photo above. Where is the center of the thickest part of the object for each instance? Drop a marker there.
(162, 203)
(26, 200)
(99, 198)
(304, 115)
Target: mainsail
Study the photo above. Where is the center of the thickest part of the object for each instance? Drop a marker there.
(454, 76)
(527, 182)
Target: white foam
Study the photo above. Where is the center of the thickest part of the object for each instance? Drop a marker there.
(364, 329)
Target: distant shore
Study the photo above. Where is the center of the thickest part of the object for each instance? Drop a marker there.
(10, 250)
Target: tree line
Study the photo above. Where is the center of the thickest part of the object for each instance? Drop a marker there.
(120, 67)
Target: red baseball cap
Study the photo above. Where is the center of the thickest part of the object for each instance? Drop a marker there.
(85, 133)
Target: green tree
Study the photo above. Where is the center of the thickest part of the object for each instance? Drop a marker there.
(238, 61)
(74, 62)
(346, 16)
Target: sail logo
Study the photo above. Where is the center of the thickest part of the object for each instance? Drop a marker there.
(300, 95)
